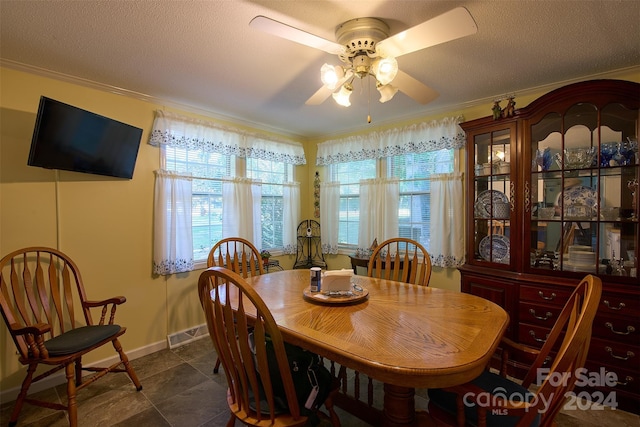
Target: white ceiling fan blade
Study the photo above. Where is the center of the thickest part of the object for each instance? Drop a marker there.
(413, 88)
(451, 25)
(323, 93)
(320, 96)
(288, 32)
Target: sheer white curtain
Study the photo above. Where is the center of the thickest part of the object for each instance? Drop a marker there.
(329, 216)
(186, 132)
(447, 220)
(241, 209)
(172, 239)
(379, 200)
(290, 216)
(416, 138)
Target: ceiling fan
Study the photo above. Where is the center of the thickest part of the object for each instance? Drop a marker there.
(366, 49)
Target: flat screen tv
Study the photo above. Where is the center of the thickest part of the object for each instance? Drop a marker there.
(70, 138)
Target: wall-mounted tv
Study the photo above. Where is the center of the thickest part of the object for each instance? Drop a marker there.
(70, 138)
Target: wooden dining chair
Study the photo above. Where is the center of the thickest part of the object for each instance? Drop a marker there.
(238, 255)
(399, 259)
(494, 400)
(234, 312)
(402, 260)
(48, 314)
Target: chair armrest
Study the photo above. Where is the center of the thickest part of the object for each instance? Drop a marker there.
(114, 302)
(34, 338)
(509, 346)
(37, 329)
(520, 347)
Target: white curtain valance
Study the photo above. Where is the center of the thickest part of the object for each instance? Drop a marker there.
(174, 130)
(416, 138)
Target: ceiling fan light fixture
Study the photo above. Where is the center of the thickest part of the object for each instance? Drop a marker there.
(387, 92)
(385, 69)
(361, 64)
(331, 75)
(342, 96)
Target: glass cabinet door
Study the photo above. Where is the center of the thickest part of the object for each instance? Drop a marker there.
(494, 200)
(583, 206)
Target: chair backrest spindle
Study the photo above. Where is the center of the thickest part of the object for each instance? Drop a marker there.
(238, 255)
(402, 260)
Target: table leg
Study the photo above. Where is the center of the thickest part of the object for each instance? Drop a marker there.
(400, 408)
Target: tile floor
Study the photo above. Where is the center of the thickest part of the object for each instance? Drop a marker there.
(180, 389)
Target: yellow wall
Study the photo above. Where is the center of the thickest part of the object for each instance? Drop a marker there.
(105, 224)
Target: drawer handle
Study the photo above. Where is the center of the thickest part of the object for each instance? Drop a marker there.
(619, 307)
(533, 334)
(628, 379)
(553, 296)
(609, 350)
(546, 316)
(630, 329)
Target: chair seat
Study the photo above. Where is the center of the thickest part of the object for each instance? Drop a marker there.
(80, 339)
(494, 384)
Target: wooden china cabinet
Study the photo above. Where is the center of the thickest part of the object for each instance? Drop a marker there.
(553, 196)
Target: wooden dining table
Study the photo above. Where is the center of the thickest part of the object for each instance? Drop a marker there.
(406, 336)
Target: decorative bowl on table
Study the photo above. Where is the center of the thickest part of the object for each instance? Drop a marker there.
(577, 158)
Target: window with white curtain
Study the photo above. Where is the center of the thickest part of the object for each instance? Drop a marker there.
(273, 175)
(383, 184)
(349, 174)
(242, 185)
(412, 171)
(209, 171)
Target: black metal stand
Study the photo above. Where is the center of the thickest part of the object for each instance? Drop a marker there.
(309, 246)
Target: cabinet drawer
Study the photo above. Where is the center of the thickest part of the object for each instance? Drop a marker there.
(626, 380)
(538, 314)
(619, 304)
(533, 335)
(544, 295)
(616, 328)
(614, 353)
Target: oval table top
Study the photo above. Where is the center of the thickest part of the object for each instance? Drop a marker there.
(402, 334)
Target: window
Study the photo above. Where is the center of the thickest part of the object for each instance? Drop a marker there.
(412, 170)
(349, 175)
(209, 170)
(273, 175)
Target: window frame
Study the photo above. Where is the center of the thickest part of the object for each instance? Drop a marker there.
(384, 169)
(234, 167)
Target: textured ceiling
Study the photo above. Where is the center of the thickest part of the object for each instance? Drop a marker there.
(202, 55)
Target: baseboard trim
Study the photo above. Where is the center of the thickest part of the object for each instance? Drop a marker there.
(59, 378)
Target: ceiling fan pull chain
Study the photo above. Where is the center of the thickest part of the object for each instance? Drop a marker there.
(369, 105)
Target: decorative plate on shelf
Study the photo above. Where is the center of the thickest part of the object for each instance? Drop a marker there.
(495, 248)
(482, 207)
(579, 195)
